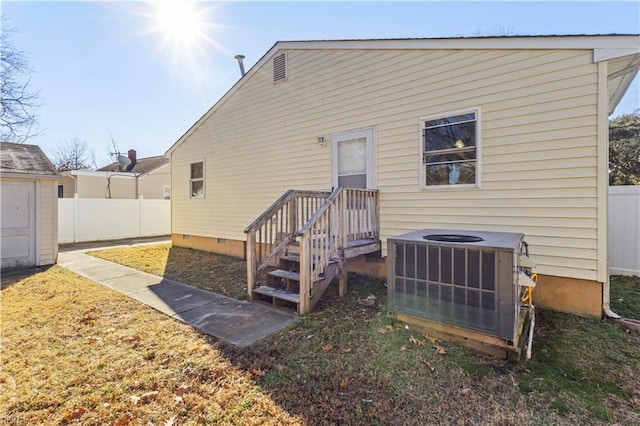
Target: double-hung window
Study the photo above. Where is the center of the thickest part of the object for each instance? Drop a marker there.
(450, 150)
(196, 180)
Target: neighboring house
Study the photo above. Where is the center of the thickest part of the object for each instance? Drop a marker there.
(29, 206)
(149, 178)
(490, 133)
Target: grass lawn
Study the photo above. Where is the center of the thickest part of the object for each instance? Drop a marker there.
(70, 345)
(73, 350)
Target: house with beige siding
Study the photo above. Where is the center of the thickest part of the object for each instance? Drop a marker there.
(149, 178)
(504, 134)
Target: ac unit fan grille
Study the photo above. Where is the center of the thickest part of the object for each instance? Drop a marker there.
(458, 286)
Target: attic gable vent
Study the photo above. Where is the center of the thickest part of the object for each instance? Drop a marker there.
(280, 67)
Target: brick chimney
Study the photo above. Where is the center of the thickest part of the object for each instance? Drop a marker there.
(132, 156)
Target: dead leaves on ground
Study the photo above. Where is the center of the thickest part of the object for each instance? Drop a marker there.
(386, 330)
(416, 341)
(370, 300)
(145, 398)
(440, 350)
(427, 363)
(131, 339)
(258, 372)
(75, 414)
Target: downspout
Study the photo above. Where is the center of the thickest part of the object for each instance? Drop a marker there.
(75, 183)
(603, 186)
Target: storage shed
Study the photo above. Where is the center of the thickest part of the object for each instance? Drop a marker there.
(28, 187)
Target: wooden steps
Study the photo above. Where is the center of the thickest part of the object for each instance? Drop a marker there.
(277, 293)
(317, 230)
(286, 275)
(283, 284)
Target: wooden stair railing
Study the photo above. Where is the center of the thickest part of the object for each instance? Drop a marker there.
(269, 234)
(311, 253)
(347, 215)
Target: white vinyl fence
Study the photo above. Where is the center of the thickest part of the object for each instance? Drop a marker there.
(624, 230)
(95, 219)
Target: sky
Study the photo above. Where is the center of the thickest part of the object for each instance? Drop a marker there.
(141, 73)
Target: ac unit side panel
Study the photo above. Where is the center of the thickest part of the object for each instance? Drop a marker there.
(506, 294)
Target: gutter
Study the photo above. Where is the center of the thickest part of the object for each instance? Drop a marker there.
(75, 184)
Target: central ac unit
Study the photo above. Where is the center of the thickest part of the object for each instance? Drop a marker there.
(468, 279)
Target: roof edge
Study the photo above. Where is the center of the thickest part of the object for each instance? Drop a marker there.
(30, 175)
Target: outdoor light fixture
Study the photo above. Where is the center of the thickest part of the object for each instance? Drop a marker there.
(321, 141)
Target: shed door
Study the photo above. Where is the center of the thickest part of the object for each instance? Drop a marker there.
(353, 159)
(18, 224)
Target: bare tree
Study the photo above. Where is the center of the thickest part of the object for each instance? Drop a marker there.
(494, 31)
(18, 112)
(74, 154)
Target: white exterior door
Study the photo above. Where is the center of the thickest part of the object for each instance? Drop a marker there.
(18, 224)
(354, 159)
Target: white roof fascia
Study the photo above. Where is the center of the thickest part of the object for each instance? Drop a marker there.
(507, 42)
(608, 43)
(6, 175)
(99, 173)
(600, 55)
(626, 77)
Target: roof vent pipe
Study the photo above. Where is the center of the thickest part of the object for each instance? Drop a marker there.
(239, 58)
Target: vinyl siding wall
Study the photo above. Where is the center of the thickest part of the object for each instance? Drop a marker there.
(47, 227)
(151, 186)
(69, 186)
(538, 131)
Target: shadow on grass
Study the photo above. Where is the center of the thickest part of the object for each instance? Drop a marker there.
(8, 277)
(221, 274)
(343, 364)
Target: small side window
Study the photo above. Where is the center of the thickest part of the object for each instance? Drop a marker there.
(196, 180)
(60, 191)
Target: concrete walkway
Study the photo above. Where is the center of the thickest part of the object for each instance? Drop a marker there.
(238, 322)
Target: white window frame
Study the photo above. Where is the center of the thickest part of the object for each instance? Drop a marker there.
(369, 134)
(478, 180)
(203, 179)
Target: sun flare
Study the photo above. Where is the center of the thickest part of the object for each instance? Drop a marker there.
(185, 32)
(179, 21)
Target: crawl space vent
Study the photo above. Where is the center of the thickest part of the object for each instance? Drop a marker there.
(280, 67)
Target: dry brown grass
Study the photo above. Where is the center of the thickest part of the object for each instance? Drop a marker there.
(72, 349)
(343, 364)
(337, 367)
(220, 274)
